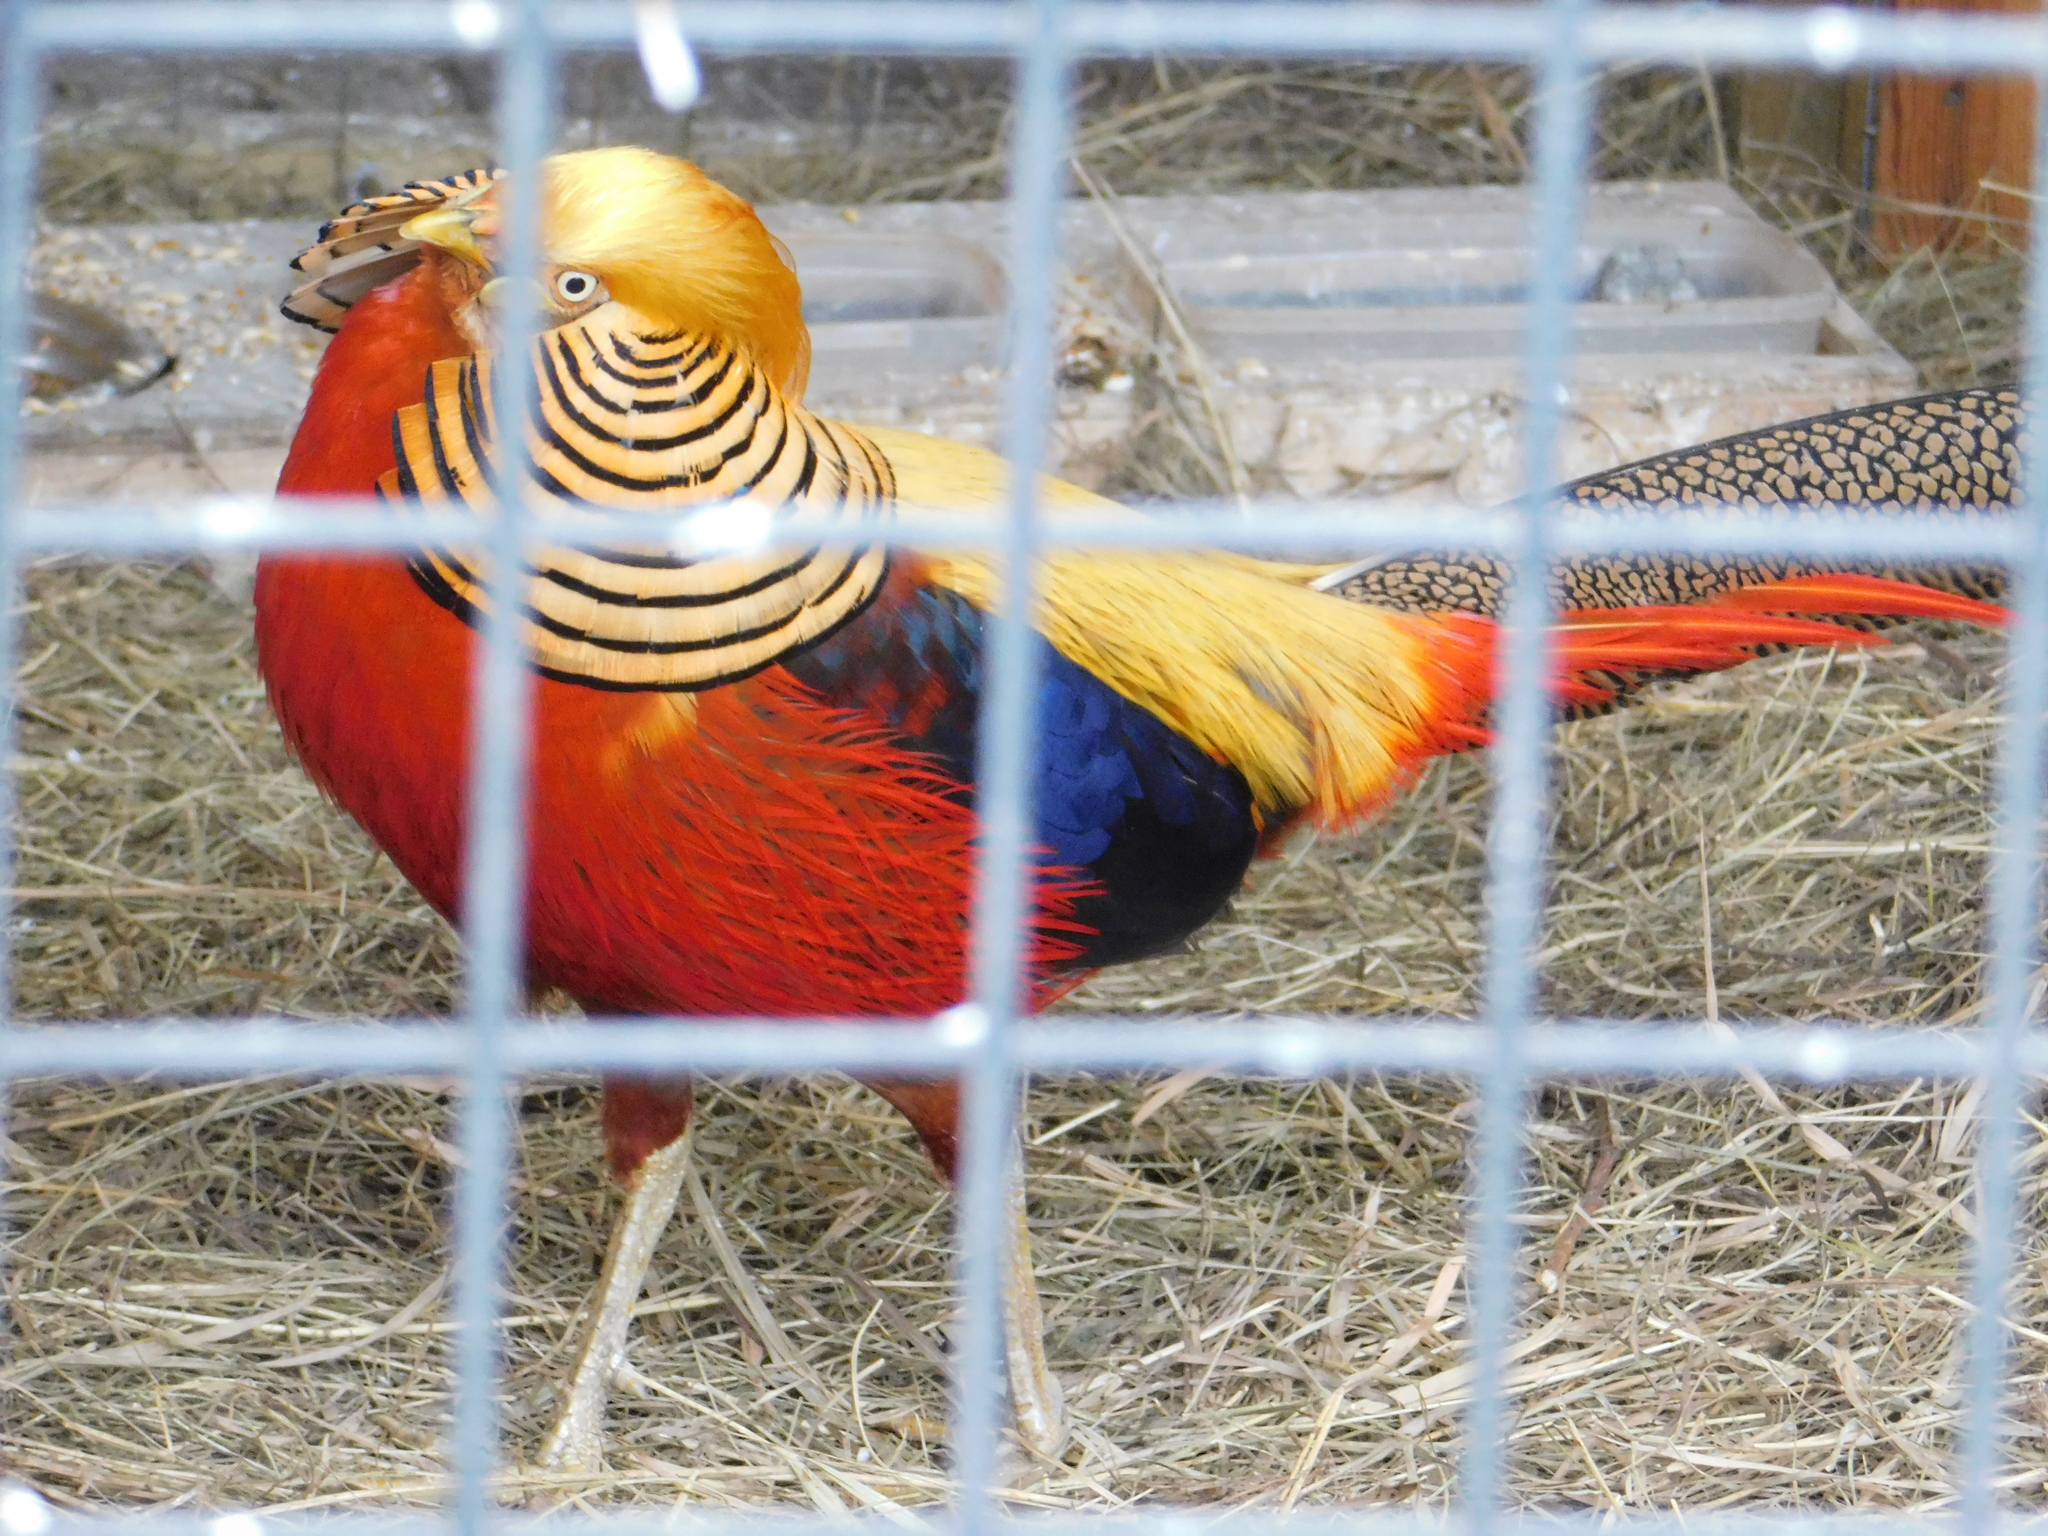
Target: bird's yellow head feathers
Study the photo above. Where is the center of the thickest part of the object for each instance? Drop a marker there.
(658, 235)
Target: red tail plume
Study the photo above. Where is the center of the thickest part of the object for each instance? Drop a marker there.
(1867, 596)
(1677, 639)
(1709, 636)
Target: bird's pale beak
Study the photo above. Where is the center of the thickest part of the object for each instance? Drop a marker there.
(450, 229)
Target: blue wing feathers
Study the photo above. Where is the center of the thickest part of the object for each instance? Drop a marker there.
(1163, 830)
(1085, 772)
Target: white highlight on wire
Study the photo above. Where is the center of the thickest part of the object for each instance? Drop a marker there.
(1823, 1059)
(477, 22)
(730, 528)
(962, 1026)
(231, 519)
(1292, 1052)
(672, 74)
(1833, 36)
(23, 1511)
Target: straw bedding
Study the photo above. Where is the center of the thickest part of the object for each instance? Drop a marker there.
(229, 1293)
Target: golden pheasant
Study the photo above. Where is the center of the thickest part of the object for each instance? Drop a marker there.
(754, 773)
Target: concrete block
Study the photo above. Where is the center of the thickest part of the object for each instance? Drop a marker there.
(1334, 386)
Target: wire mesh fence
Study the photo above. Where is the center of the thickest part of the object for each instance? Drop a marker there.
(989, 1042)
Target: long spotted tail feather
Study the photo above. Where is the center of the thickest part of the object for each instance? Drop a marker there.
(1948, 456)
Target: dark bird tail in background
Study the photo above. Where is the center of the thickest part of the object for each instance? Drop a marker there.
(1938, 456)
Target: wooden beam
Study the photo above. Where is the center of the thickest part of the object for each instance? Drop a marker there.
(1940, 139)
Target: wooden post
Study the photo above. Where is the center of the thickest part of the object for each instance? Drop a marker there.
(1940, 138)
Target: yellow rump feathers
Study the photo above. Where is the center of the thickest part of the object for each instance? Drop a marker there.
(1324, 705)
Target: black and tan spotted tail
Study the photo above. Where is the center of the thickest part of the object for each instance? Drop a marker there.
(1948, 455)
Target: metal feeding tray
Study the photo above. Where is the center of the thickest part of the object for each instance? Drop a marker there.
(1431, 274)
(880, 306)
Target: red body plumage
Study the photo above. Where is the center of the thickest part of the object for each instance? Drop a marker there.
(659, 841)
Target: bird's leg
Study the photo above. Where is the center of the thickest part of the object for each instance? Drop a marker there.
(576, 1440)
(1036, 1400)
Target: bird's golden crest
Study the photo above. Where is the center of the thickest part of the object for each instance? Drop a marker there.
(667, 239)
(360, 248)
(634, 420)
(679, 248)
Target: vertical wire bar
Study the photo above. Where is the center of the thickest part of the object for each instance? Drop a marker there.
(1519, 760)
(2015, 914)
(20, 104)
(496, 854)
(1003, 896)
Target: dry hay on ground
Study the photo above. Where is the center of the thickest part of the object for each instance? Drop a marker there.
(140, 139)
(228, 1293)
(131, 138)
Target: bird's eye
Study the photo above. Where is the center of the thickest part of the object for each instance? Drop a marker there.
(575, 287)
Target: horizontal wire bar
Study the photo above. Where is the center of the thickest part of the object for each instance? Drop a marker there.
(257, 523)
(1826, 37)
(1264, 526)
(1265, 1045)
(1379, 1521)
(791, 26)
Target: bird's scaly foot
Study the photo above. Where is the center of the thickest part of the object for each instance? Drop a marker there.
(1036, 1401)
(576, 1443)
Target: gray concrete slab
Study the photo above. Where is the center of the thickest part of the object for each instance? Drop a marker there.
(208, 293)
(1320, 426)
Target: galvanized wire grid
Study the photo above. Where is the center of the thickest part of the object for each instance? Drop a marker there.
(987, 1041)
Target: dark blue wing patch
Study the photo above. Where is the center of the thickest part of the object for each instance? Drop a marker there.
(1160, 828)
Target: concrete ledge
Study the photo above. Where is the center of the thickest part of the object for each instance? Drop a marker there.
(1390, 428)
